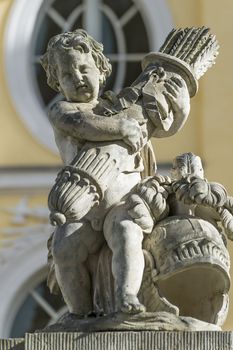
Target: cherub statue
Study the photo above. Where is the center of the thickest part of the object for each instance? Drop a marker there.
(104, 143)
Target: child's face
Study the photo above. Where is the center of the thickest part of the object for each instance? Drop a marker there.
(78, 76)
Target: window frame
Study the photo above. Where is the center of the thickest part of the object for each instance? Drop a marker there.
(19, 275)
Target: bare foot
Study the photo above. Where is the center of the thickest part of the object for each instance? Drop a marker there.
(129, 303)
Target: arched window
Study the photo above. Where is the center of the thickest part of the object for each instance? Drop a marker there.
(22, 272)
(119, 23)
(38, 309)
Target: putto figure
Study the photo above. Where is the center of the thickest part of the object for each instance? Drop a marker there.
(104, 143)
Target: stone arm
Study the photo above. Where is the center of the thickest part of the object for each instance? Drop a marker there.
(85, 125)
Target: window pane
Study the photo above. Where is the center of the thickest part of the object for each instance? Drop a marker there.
(112, 78)
(56, 301)
(46, 92)
(119, 6)
(29, 318)
(133, 70)
(136, 36)
(48, 28)
(108, 36)
(78, 23)
(65, 7)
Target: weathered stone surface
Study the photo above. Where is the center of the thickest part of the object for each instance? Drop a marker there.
(146, 321)
(131, 341)
(143, 340)
(7, 344)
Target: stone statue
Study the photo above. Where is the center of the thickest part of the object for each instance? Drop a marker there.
(110, 209)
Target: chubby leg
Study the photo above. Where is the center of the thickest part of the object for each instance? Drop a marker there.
(124, 238)
(72, 244)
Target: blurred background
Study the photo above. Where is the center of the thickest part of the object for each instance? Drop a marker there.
(28, 157)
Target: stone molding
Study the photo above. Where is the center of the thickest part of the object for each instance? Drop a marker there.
(142, 340)
(7, 344)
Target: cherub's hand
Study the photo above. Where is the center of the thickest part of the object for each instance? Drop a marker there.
(177, 95)
(132, 133)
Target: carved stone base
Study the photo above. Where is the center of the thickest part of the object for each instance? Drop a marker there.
(7, 344)
(143, 340)
(144, 321)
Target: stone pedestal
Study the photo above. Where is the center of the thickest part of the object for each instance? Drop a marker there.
(140, 340)
(7, 344)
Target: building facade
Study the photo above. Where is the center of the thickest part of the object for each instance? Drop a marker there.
(28, 155)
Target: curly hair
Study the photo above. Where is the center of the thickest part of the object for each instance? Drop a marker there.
(78, 40)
